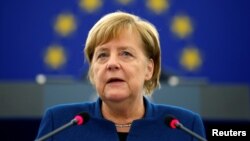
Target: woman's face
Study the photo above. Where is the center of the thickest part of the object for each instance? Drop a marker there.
(120, 67)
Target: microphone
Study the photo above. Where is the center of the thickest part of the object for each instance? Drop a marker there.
(174, 123)
(79, 119)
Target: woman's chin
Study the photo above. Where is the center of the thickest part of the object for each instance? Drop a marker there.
(116, 97)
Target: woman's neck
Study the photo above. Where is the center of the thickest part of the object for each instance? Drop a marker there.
(123, 113)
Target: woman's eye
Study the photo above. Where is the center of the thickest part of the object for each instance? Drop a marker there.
(126, 53)
(101, 55)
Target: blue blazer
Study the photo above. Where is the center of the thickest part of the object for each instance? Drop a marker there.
(150, 128)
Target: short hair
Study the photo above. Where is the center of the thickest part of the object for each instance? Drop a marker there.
(110, 26)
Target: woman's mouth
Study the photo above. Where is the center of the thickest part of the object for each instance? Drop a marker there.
(115, 81)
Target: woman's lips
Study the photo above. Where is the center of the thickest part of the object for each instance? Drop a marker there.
(115, 81)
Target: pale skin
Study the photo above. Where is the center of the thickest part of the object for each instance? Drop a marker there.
(119, 69)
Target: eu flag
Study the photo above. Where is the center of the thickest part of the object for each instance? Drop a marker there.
(200, 39)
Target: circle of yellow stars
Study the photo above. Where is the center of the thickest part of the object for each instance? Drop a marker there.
(66, 23)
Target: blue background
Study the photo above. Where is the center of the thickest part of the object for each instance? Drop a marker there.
(221, 33)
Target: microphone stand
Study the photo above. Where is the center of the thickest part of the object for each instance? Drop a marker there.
(72, 122)
(179, 125)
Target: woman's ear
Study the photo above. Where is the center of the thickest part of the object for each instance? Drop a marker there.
(150, 69)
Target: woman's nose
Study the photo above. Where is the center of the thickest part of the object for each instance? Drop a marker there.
(113, 63)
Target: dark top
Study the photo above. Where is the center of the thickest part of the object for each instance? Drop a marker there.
(122, 136)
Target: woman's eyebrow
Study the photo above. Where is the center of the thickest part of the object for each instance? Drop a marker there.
(98, 49)
(119, 48)
(126, 48)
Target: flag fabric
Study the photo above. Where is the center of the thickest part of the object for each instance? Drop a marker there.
(199, 39)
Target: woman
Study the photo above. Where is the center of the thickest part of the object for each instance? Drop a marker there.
(124, 56)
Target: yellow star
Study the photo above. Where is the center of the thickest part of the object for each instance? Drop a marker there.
(55, 56)
(191, 58)
(158, 6)
(65, 24)
(90, 5)
(181, 26)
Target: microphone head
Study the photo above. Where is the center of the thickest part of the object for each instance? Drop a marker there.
(171, 121)
(82, 118)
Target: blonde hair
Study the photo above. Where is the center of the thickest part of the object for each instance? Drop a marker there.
(111, 25)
